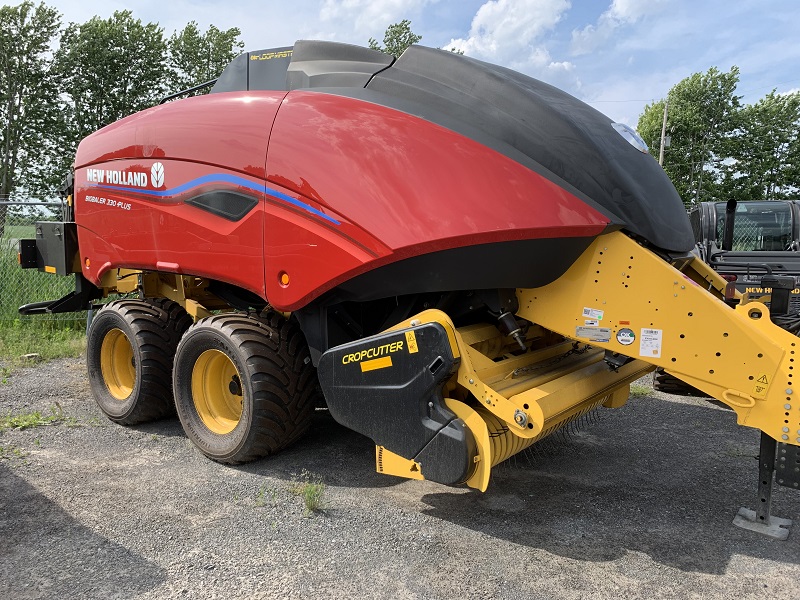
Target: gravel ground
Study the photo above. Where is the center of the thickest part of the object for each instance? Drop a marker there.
(637, 504)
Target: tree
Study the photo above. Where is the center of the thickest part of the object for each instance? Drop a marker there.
(110, 68)
(196, 57)
(703, 111)
(397, 38)
(28, 96)
(764, 150)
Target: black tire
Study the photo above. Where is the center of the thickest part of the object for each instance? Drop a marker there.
(244, 385)
(669, 384)
(129, 351)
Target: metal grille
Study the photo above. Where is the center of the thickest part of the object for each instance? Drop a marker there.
(746, 235)
(20, 286)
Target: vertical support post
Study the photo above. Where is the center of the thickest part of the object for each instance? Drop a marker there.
(761, 520)
(766, 471)
(730, 218)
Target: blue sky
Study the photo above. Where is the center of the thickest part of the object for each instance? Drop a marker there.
(616, 55)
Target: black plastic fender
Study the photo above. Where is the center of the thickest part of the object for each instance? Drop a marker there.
(389, 388)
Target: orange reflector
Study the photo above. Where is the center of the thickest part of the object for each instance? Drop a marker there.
(49, 269)
(87, 262)
(284, 278)
(19, 257)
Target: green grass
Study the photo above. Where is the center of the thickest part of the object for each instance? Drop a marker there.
(47, 335)
(638, 390)
(48, 339)
(20, 286)
(18, 232)
(35, 418)
(266, 495)
(311, 489)
(8, 452)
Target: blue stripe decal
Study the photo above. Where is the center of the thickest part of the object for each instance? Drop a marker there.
(222, 178)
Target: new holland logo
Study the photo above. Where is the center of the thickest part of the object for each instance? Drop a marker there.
(157, 175)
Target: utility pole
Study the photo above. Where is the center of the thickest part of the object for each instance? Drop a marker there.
(663, 133)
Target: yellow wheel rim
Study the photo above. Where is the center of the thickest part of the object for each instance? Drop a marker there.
(217, 391)
(117, 364)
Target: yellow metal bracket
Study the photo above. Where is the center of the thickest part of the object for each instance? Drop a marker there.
(621, 297)
(525, 420)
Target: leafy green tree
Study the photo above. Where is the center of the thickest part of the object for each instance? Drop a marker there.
(110, 68)
(196, 57)
(397, 38)
(28, 95)
(764, 150)
(703, 111)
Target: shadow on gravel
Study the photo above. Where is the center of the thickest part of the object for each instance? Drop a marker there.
(45, 553)
(339, 455)
(169, 427)
(663, 480)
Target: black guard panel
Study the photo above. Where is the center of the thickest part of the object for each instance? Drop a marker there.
(389, 388)
(327, 64)
(57, 247)
(543, 128)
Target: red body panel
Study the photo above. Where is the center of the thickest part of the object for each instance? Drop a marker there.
(118, 226)
(345, 186)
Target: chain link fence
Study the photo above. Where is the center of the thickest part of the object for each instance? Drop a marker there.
(20, 286)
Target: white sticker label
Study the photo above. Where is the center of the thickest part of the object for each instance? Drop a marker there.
(591, 322)
(650, 343)
(592, 313)
(594, 334)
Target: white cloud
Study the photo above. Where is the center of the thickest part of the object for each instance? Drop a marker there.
(619, 14)
(510, 32)
(369, 15)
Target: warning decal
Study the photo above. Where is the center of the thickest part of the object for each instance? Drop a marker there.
(411, 342)
(760, 386)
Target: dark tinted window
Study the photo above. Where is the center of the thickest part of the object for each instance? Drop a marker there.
(759, 226)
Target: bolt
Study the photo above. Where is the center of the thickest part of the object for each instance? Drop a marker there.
(430, 404)
(785, 430)
(788, 391)
(520, 418)
(683, 287)
(784, 437)
(787, 406)
(471, 381)
(415, 323)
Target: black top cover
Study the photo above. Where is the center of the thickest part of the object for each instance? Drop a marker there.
(527, 120)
